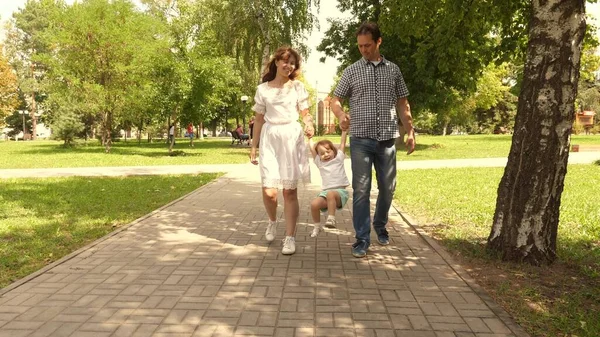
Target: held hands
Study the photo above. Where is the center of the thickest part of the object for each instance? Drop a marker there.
(309, 130)
(345, 122)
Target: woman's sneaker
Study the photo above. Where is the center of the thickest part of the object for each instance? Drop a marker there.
(271, 231)
(289, 245)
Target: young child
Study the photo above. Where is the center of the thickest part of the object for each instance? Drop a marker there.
(330, 162)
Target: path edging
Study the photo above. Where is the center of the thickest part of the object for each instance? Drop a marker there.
(32, 276)
(507, 319)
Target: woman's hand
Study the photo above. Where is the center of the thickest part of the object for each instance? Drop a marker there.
(253, 158)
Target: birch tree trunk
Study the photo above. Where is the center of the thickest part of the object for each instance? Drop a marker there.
(527, 209)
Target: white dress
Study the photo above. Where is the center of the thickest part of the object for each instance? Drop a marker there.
(283, 159)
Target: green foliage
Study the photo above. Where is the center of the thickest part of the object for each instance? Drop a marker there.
(66, 127)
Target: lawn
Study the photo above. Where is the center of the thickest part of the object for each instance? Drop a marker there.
(42, 220)
(456, 206)
(43, 154)
(218, 150)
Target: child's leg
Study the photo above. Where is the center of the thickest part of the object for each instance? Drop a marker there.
(334, 201)
(316, 205)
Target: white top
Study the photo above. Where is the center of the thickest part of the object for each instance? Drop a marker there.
(281, 105)
(333, 174)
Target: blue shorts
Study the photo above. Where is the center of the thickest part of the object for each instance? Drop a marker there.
(191, 135)
(344, 195)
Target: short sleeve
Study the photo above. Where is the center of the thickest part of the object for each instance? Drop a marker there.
(401, 89)
(259, 104)
(302, 96)
(343, 88)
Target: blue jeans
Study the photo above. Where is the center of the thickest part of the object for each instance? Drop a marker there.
(364, 154)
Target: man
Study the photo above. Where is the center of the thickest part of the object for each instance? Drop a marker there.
(243, 137)
(378, 97)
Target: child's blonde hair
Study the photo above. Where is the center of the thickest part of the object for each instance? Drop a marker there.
(327, 143)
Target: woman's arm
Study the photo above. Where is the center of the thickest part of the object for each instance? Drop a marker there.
(259, 120)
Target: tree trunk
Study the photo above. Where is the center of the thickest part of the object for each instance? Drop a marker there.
(107, 130)
(527, 209)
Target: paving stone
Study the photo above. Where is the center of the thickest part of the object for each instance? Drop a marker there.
(200, 267)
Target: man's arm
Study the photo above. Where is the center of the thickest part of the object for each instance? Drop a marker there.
(336, 107)
(403, 111)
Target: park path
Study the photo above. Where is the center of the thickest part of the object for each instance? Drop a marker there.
(199, 266)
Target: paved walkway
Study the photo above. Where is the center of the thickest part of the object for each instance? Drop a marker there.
(199, 266)
(574, 158)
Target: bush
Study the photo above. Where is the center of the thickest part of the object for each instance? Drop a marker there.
(66, 127)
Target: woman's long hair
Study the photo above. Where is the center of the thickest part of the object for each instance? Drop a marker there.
(283, 53)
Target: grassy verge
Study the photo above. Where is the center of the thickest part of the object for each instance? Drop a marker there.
(41, 154)
(471, 146)
(42, 220)
(457, 206)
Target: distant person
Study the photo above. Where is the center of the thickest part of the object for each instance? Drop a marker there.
(190, 133)
(172, 133)
(279, 102)
(251, 127)
(333, 196)
(244, 137)
(378, 97)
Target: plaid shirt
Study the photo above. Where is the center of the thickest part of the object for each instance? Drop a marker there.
(373, 91)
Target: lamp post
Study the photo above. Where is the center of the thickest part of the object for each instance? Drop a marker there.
(244, 101)
(22, 113)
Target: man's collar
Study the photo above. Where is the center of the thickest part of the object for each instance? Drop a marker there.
(383, 60)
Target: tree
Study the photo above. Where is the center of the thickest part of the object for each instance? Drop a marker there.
(101, 53)
(26, 44)
(528, 205)
(8, 89)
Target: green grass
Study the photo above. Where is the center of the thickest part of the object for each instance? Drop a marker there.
(44, 154)
(457, 207)
(471, 146)
(42, 220)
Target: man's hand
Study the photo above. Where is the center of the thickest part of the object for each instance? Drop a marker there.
(410, 142)
(345, 122)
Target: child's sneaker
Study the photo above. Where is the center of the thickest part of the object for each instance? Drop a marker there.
(271, 230)
(330, 223)
(316, 230)
(289, 245)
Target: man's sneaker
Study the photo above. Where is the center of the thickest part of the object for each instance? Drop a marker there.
(289, 245)
(316, 230)
(330, 223)
(359, 249)
(271, 231)
(383, 237)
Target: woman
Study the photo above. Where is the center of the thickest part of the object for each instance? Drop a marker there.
(278, 102)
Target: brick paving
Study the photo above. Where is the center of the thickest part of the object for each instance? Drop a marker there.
(200, 267)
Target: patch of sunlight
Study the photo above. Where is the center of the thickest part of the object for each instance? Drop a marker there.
(536, 306)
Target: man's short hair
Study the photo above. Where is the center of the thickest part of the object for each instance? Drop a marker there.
(368, 27)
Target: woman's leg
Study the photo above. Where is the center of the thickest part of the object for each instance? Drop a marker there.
(291, 209)
(270, 201)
